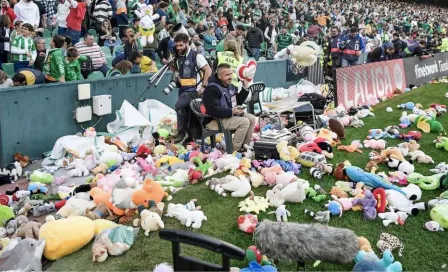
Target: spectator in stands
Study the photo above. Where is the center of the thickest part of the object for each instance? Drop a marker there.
(314, 31)
(352, 47)
(208, 21)
(230, 56)
(135, 24)
(136, 59)
(5, 82)
(382, 53)
(54, 67)
(221, 32)
(5, 9)
(17, 30)
(61, 16)
(222, 20)
(50, 13)
(28, 77)
(5, 41)
(165, 31)
(102, 10)
(91, 49)
(75, 18)
(444, 42)
(191, 27)
(201, 29)
(210, 40)
(130, 43)
(283, 40)
(416, 49)
(237, 35)
(106, 36)
(147, 65)
(335, 51)
(270, 35)
(121, 18)
(23, 49)
(67, 41)
(72, 65)
(254, 39)
(41, 53)
(166, 48)
(122, 68)
(27, 12)
(161, 10)
(220, 100)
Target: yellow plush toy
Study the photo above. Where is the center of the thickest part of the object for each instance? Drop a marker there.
(102, 224)
(294, 152)
(171, 160)
(282, 149)
(147, 26)
(66, 236)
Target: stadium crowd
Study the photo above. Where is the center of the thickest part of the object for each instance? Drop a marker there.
(46, 41)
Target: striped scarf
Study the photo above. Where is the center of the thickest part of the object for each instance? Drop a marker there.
(19, 43)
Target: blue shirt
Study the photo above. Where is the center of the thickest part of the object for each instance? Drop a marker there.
(161, 13)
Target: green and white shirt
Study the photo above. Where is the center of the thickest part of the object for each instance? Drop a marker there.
(20, 45)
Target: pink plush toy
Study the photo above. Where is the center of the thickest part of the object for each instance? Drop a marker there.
(148, 168)
(270, 178)
(107, 183)
(375, 144)
(398, 177)
(215, 154)
(345, 121)
(276, 169)
(285, 178)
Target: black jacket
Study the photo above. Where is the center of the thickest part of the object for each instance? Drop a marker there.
(254, 37)
(211, 98)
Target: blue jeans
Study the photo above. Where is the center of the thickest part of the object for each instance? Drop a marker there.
(74, 35)
(346, 63)
(103, 69)
(20, 65)
(255, 53)
(150, 53)
(62, 30)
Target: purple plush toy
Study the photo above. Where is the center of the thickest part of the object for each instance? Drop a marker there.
(368, 204)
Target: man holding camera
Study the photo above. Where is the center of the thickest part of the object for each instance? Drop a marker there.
(221, 100)
(193, 72)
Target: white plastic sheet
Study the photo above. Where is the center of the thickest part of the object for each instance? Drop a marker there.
(76, 143)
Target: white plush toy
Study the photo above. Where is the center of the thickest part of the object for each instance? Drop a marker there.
(402, 203)
(78, 168)
(420, 157)
(239, 187)
(151, 221)
(122, 193)
(440, 168)
(226, 162)
(293, 192)
(111, 156)
(404, 149)
(393, 217)
(175, 208)
(146, 27)
(281, 213)
(190, 218)
(306, 54)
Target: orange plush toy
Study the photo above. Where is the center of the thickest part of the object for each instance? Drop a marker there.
(100, 196)
(152, 190)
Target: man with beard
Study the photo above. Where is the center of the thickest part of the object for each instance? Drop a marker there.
(192, 71)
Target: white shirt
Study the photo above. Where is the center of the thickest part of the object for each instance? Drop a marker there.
(62, 14)
(27, 13)
(7, 45)
(8, 83)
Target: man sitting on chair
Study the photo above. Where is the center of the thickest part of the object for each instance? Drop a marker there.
(222, 100)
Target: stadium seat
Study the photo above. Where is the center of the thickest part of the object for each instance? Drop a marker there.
(96, 75)
(55, 31)
(106, 51)
(117, 49)
(93, 32)
(47, 34)
(262, 59)
(109, 60)
(8, 68)
(47, 42)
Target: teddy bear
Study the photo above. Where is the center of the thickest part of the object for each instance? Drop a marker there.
(122, 193)
(393, 217)
(282, 149)
(16, 223)
(28, 230)
(150, 220)
(78, 169)
(190, 218)
(101, 168)
(239, 187)
(420, 156)
(375, 144)
(293, 192)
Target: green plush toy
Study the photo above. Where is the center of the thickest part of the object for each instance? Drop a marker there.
(38, 176)
(163, 133)
(6, 214)
(442, 142)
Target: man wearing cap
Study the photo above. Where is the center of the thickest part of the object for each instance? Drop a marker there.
(384, 52)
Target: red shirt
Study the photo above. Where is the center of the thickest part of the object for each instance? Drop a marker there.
(10, 13)
(76, 15)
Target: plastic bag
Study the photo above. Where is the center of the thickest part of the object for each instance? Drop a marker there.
(155, 111)
(117, 240)
(127, 124)
(303, 87)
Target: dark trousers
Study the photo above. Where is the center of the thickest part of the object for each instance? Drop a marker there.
(103, 69)
(150, 54)
(20, 65)
(336, 61)
(62, 30)
(74, 35)
(182, 108)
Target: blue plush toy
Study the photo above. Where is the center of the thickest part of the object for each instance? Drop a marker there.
(378, 134)
(37, 187)
(407, 106)
(368, 261)
(256, 267)
(356, 174)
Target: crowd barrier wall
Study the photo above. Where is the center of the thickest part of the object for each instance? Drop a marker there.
(358, 85)
(32, 118)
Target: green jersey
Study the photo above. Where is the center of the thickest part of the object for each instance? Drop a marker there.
(20, 45)
(283, 41)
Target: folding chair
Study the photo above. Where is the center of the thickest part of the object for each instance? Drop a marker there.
(187, 263)
(195, 106)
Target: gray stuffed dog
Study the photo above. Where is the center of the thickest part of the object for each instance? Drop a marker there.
(304, 243)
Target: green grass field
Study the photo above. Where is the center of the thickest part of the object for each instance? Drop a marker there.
(424, 250)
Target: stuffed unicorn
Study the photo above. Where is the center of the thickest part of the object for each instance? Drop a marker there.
(147, 26)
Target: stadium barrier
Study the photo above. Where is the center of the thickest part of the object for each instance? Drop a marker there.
(32, 118)
(358, 85)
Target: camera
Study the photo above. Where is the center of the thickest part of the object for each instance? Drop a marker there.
(168, 89)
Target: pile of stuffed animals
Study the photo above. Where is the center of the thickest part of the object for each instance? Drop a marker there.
(129, 187)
